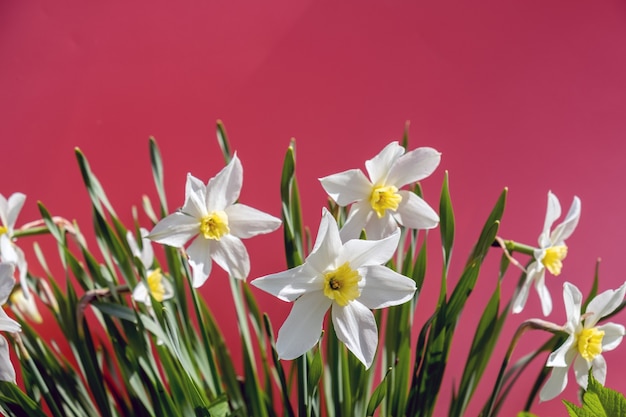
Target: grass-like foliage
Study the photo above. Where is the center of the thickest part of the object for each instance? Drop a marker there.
(136, 338)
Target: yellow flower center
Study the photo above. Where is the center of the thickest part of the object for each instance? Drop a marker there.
(553, 257)
(155, 284)
(341, 285)
(214, 225)
(590, 343)
(385, 198)
(3, 230)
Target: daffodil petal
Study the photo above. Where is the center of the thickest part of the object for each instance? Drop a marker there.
(383, 287)
(356, 221)
(175, 230)
(347, 187)
(567, 227)
(581, 370)
(7, 324)
(356, 327)
(368, 252)
(563, 356)
(544, 294)
(7, 282)
(132, 244)
(195, 196)
(245, 221)
(4, 211)
(199, 254)
(613, 335)
(554, 385)
(223, 189)
(415, 213)
(598, 368)
(231, 255)
(23, 268)
(291, 284)
(14, 255)
(14, 205)
(168, 289)
(376, 228)
(147, 253)
(572, 298)
(7, 250)
(194, 186)
(553, 212)
(414, 166)
(327, 244)
(303, 327)
(140, 294)
(604, 304)
(7, 372)
(533, 272)
(379, 166)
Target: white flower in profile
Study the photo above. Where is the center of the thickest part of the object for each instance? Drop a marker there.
(26, 305)
(9, 252)
(550, 254)
(7, 324)
(9, 210)
(155, 284)
(379, 203)
(212, 216)
(350, 279)
(586, 341)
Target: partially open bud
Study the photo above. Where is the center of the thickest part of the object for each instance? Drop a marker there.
(25, 306)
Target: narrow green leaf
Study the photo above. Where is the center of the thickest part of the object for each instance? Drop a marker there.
(594, 286)
(469, 276)
(405, 135)
(291, 215)
(446, 221)
(16, 402)
(485, 338)
(222, 140)
(419, 268)
(378, 395)
(96, 192)
(315, 371)
(157, 173)
(116, 310)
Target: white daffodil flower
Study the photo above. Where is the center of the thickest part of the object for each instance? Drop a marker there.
(350, 279)
(586, 340)
(9, 252)
(379, 203)
(211, 216)
(155, 284)
(7, 324)
(552, 250)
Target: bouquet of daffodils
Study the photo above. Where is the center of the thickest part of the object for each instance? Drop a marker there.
(138, 339)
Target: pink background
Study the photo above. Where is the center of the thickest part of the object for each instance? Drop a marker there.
(524, 94)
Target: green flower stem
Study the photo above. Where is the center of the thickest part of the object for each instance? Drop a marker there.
(529, 324)
(513, 246)
(89, 297)
(38, 227)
